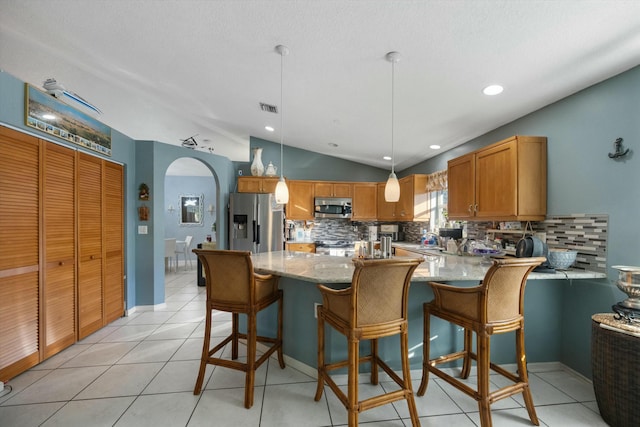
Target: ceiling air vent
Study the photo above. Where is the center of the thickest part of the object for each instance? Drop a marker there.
(268, 108)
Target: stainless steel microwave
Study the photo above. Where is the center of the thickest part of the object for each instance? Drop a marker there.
(332, 207)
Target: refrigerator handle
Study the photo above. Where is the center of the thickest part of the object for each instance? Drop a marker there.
(256, 238)
(258, 234)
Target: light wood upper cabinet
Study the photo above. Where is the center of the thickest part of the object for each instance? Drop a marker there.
(505, 181)
(301, 204)
(257, 184)
(365, 201)
(461, 187)
(386, 210)
(332, 189)
(412, 205)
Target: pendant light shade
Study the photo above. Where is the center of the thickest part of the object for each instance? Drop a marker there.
(282, 191)
(392, 188)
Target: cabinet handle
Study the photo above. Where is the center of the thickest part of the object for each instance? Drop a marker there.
(471, 208)
(61, 263)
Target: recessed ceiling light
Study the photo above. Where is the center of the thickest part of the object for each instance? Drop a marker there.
(269, 128)
(387, 157)
(492, 90)
(434, 147)
(333, 144)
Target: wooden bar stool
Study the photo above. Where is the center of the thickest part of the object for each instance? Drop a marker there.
(495, 306)
(233, 286)
(375, 306)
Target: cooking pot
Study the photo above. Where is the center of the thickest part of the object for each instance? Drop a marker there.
(531, 246)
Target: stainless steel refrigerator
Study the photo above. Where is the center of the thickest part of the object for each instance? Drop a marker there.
(257, 223)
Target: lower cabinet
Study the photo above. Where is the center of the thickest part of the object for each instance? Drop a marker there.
(301, 247)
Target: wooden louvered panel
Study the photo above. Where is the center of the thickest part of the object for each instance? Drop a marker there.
(19, 206)
(114, 287)
(18, 324)
(89, 297)
(59, 297)
(90, 292)
(59, 309)
(89, 206)
(114, 242)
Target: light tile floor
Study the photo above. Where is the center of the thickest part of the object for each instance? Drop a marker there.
(140, 371)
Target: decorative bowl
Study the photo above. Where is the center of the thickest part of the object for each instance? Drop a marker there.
(561, 259)
(629, 283)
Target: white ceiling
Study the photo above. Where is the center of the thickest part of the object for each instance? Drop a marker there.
(167, 70)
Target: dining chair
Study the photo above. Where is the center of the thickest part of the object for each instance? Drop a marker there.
(170, 253)
(495, 306)
(233, 286)
(182, 248)
(373, 307)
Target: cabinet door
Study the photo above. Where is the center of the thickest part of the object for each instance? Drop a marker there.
(19, 252)
(301, 247)
(496, 181)
(113, 242)
(59, 229)
(323, 189)
(301, 204)
(461, 190)
(257, 184)
(365, 201)
(386, 210)
(90, 292)
(269, 185)
(342, 189)
(404, 207)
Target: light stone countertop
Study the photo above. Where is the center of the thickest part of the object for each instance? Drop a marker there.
(318, 268)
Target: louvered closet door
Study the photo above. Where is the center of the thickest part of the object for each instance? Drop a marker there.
(90, 292)
(19, 252)
(113, 242)
(59, 222)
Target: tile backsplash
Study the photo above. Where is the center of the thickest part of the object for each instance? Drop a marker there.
(585, 233)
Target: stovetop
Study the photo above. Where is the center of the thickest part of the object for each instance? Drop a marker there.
(334, 244)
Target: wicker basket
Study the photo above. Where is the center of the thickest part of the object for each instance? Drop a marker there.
(616, 379)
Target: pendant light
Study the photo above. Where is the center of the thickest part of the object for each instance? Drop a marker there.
(282, 191)
(392, 188)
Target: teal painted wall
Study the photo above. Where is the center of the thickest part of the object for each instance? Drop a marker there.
(582, 178)
(302, 164)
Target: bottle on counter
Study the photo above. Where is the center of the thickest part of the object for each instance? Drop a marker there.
(424, 239)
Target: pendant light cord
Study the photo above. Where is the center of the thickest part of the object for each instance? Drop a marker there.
(393, 157)
(281, 114)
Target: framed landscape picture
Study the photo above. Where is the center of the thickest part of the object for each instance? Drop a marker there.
(46, 113)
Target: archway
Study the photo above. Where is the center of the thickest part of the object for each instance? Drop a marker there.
(190, 196)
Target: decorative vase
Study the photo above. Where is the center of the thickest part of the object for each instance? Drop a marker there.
(257, 168)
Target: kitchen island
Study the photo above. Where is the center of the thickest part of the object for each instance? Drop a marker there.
(300, 272)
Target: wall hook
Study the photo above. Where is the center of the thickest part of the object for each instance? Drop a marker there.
(618, 149)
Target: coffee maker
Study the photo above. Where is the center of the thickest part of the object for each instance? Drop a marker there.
(390, 230)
